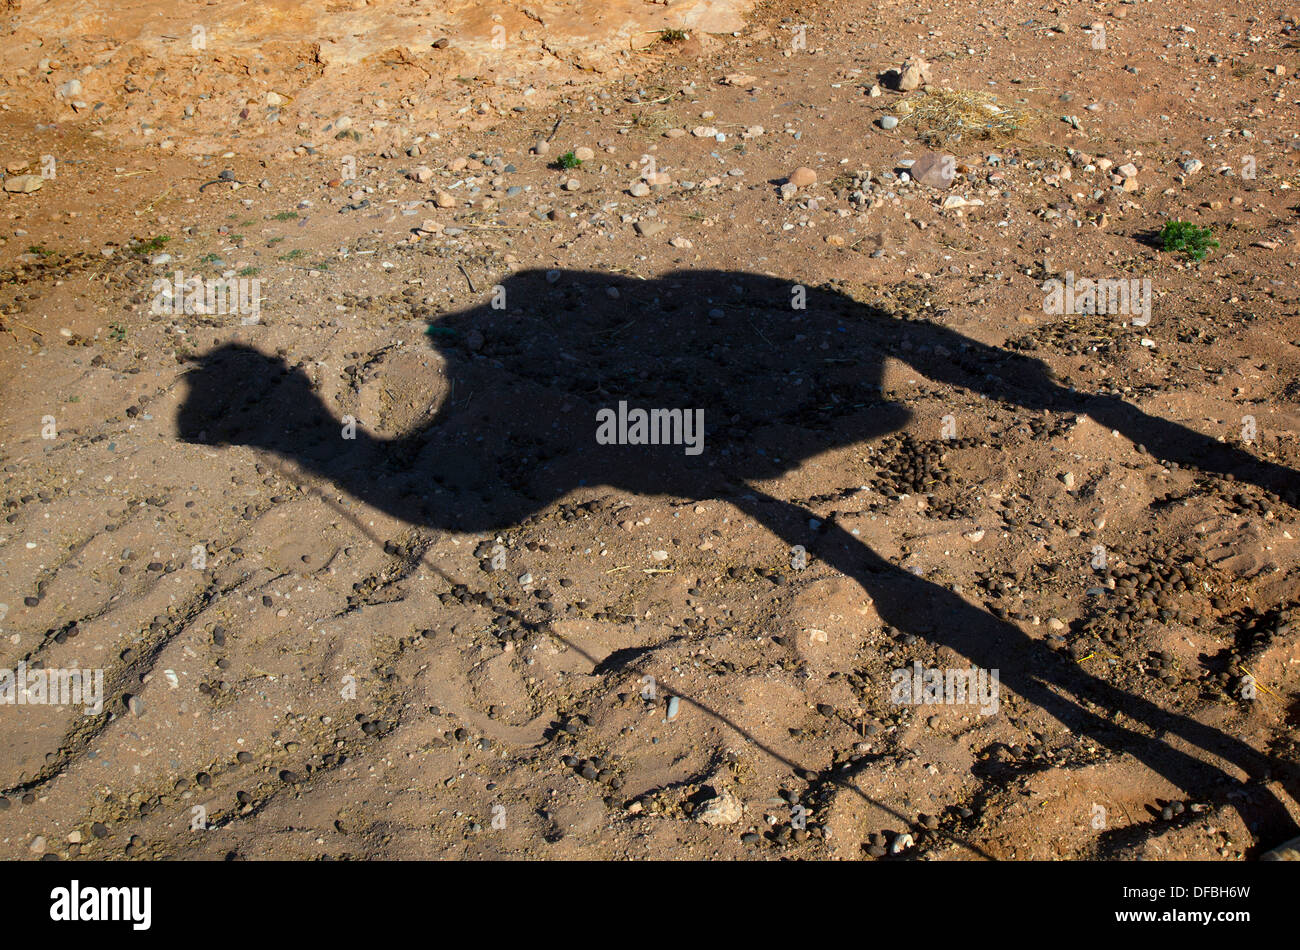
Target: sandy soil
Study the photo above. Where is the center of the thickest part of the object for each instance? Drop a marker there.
(362, 582)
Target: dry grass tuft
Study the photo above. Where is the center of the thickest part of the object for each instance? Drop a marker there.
(942, 116)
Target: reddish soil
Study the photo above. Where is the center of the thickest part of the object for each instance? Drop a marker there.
(1100, 507)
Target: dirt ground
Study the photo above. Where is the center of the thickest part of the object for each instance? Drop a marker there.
(363, 580)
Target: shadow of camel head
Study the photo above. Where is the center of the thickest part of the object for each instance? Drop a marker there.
(240, 396)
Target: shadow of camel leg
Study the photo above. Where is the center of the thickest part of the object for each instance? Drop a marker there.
(1028, 667)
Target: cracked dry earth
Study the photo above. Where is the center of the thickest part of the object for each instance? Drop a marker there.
(295, 669)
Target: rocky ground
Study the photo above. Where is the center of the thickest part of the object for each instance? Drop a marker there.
(455, 636)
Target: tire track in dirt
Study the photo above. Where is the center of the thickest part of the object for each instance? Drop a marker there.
(77, 741)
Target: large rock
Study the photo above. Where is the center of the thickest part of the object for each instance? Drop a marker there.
(24, 184)
(802, 177)
(725, 809)
(935, 169)
(914, 75)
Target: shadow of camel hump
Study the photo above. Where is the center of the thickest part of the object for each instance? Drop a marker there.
(543, 395)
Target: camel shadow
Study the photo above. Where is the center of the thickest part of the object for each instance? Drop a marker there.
(741, 378)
